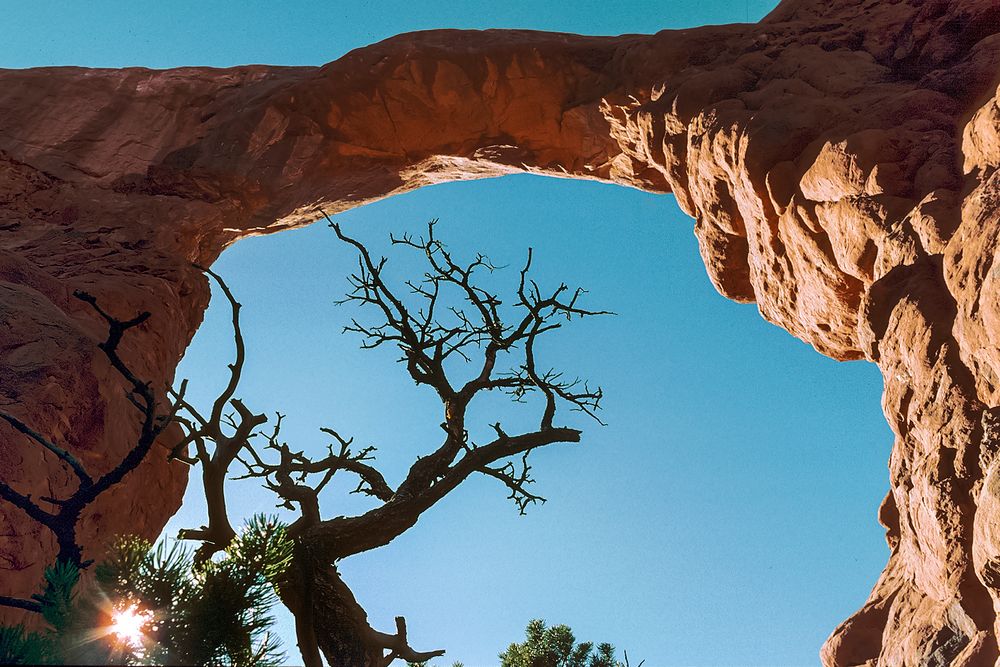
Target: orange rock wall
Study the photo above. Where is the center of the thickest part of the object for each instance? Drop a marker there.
(839, 158)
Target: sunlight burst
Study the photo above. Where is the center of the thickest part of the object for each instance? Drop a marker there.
(127, 625)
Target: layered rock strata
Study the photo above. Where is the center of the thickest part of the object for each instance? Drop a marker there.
(840, 160)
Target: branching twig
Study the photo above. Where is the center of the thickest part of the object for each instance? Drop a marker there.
(399, 648)
(516, 481)
(63, 520)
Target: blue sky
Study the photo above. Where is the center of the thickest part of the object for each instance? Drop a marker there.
(727, 513)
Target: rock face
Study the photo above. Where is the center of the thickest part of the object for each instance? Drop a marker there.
(840, 159)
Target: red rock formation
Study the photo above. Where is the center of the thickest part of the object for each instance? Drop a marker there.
(840, 159)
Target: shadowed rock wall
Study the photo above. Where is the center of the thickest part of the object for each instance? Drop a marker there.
(839, 158)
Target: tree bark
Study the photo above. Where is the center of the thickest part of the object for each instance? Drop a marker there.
(327, 616)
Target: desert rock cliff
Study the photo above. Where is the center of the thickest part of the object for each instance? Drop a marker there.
(840, 160)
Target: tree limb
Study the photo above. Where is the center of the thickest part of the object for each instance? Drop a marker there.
(18, 603)
(62, 522)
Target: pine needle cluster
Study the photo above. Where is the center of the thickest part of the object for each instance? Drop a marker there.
(214, 613)
(556, 646)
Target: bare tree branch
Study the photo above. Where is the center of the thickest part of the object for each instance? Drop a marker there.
(18, 603)
(63, 521)
(426, 343)
(228, 435)
(63, 455)
(235, 368)
(398, 647)
(516, 481)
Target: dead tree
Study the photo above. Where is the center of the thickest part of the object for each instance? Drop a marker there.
(63, 518)
(429, 333)
(226, 436)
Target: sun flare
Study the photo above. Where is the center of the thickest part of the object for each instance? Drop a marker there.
(127, 625)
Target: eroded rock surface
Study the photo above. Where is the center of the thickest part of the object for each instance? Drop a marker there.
(840, 160)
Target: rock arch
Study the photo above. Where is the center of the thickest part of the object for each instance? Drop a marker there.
(839, 158)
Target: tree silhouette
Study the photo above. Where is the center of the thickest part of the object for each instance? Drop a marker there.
(438, 320)
(63, 518)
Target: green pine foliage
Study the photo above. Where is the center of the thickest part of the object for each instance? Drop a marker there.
(214, 614)
(552, 647)
(556, 647)
(18, 647)
(72, 622)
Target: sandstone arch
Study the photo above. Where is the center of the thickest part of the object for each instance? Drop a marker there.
(840, 160)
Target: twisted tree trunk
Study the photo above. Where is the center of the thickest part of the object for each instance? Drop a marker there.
(327, 617)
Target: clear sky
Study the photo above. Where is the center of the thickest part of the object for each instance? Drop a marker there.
(727, 513)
